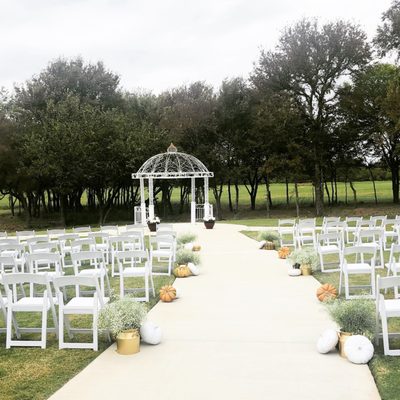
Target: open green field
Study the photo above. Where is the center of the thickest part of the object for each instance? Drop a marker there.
(364, 206)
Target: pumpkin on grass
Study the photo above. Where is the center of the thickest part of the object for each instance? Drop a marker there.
(326, 292)
(283, 252)
(167, 293)
(182, 271)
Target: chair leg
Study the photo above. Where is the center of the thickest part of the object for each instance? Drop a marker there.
(95, 333)
(9, 327)
(152, 285)
(346, 286)
(44, 327)
(61, 329)
(385, 334)
(121, 285)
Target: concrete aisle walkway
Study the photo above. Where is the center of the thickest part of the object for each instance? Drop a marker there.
(243, 329)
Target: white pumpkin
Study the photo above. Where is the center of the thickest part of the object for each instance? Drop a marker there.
(188, 246)
(358, 349)
(261, 244)
(327, 341)
(150, 333)
(294, 271)
(193, 269)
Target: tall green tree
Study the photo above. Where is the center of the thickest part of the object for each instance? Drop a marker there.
(387, 38)
(308, 63)
(371, 107)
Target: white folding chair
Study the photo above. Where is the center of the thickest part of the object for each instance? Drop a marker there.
(78, 305)
(35, 302)
(15, 250)
(305, 232)
(45, 263)
(385, 309)
(110, 229)
(23, 235)
(91, 263)
(84, 244)
(65, 243)
(46, 247)
(391, 233)
(36, 240)
(54, 234)
(357, 260)
(3, 235)
(135, 264)
(121, 243)
(393, 265)
(351, 228)
(378, 220)
(137, 240)
(3, 310)
(331, 243)
(286, 231)
(8, 264)
(334, 226)
(82, 230)
(373, 238)
(164, 249)
(101, 243)
(328, 220)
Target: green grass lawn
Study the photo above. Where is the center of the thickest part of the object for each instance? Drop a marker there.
(33, 373)
(385, 369)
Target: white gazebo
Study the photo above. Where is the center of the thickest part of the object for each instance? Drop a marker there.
(173, 165)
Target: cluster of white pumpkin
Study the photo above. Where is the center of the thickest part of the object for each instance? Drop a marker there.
(150, 333)
(357, 348)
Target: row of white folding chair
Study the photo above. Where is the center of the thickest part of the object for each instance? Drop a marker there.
(385, 309)
(44, 302)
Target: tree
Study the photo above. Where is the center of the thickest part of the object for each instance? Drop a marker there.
(370, 106)
(388, 35)
(308, 63)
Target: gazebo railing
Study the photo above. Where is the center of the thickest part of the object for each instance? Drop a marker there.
(200, 211)
(137, 215)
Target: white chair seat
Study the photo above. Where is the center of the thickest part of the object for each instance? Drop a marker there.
(92, 272)
(393, 266)
(330, 248)
(286, 231)
(392, 308)
(79, 305)
(359, 268)
(134, 271)
(30, 304)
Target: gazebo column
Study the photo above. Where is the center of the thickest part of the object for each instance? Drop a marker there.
(142, 202)
(193, 202)
(206, 203)
(151, 201)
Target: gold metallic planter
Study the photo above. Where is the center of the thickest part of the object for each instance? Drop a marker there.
(343, 336)
(128, 342)
(306, 269)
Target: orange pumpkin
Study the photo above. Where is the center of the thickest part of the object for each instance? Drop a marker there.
(326, 292)
(283, 252)
(167, 293)
(182, 271)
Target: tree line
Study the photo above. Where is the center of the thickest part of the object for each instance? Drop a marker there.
(319, 105)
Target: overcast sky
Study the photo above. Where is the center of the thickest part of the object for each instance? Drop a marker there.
(158, 44)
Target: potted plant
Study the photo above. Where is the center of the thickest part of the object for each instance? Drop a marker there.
(307, 258)
(185, 259)
(270, 238)
(354, 317)
(209, 222)
(186, 241)
(123, 319)
(152, 223)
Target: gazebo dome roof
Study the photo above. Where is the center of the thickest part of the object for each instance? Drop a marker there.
(172, 164)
